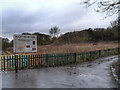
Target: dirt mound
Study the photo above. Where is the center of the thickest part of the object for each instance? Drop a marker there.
(74, 37)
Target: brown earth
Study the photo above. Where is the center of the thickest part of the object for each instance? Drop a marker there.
(68, 48)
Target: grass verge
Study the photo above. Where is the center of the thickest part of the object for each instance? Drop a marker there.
(116, 67)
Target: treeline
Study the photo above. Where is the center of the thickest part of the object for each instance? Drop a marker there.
(101, 34)
(89, 36)
(42, 39)
(5, 43)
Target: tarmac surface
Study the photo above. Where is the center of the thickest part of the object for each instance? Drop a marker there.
(95, 74)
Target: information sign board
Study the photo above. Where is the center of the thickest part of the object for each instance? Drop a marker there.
(25, 43)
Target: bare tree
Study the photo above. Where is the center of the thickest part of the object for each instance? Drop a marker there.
(114, 23)
(110, 7)
(54, 31)
(51, 32)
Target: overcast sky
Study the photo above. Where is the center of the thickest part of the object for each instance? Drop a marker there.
(20, 16)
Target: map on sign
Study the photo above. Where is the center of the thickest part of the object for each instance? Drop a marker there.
(25, 43)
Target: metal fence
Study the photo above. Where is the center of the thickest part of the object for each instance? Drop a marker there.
(8, 63)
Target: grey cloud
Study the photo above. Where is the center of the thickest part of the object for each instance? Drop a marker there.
(19, 19)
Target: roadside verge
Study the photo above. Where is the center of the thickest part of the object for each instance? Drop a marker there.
(115, 69)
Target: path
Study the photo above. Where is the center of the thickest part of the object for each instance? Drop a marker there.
(96, 74)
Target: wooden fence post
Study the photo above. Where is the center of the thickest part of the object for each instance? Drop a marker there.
(99, 53)
(90, 55)
(31, 60)
(75, 56)
(10, 62)
(1, 63)
(35, 59)
(46, 59)
(16, 64)
(26, 60)
(4, 62)
(108, 52)
(7, 62)
(22, 61)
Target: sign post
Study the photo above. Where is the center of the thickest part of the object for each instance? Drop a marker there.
(16, 63)
(24, 43)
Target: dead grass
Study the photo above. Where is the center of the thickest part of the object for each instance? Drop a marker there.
(70, 48)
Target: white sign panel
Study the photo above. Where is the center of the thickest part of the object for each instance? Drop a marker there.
(25, 43)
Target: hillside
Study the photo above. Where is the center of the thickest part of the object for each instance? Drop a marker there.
(88, 36)
(74, 37)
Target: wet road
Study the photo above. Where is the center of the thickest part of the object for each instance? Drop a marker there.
(96, 74)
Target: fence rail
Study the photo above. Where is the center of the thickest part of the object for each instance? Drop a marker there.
(31, 61)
